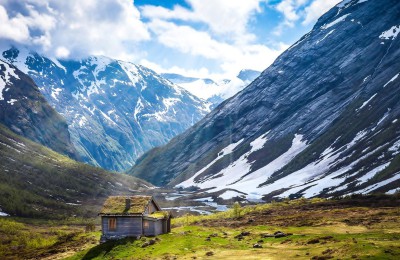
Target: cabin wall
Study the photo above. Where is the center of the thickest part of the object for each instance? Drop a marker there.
(126, 226)
(148, 227)
(158, 227)
(153, 228)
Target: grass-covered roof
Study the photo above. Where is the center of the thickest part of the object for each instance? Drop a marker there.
(159, 214)
(116, 205)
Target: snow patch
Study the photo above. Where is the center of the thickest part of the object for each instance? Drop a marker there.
(380, 184)
(58, 64)
(227, 150)
(230, 194)
(393, 79)
(55, 92)
(3, 214)
(391, 33)
(12, 101)
(131, 70)
(395, 148)
(365, 103)
(391, 192)
(372, 173)
(329, 33)
(5, 80)
(338, 20)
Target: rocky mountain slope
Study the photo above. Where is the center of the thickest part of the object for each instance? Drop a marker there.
(115, 110)
(38, 182)
(25, 111)
(214, 91)
(322, 120)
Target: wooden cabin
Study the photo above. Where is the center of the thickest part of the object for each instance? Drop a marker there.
(132, 216)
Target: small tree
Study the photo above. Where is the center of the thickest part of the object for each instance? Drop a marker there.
(237, 209)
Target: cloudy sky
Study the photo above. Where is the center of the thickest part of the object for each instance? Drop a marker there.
(202, 38)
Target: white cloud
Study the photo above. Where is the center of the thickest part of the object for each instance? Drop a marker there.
(108, 27)
(232, 57)
(14, 28)
(62, 52)
(318, 8)
(223, 17)
(196, 73)
(301, 10)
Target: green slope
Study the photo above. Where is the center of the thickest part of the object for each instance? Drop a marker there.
(38, 182)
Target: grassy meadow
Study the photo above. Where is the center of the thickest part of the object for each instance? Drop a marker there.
(360, 227)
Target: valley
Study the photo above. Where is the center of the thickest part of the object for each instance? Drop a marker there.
(298, 161)
(357, 227)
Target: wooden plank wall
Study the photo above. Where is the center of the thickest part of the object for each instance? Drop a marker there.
(126, 226)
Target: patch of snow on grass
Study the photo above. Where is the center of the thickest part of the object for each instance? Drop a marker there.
(12, 101)
(230, 194)
(372, 173)
(380, 184)
(390, 192)
(227, 150)
(391, 33)
(249, 184)
(395, 148)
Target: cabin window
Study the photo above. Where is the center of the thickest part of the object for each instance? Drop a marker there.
(146, 224)
(112, 223)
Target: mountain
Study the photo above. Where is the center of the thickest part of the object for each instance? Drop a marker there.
(37, 182)
(322, 120)
(115, 110)
(25, 111)
(213, 91)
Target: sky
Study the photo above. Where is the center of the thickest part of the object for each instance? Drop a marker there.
(198, 38)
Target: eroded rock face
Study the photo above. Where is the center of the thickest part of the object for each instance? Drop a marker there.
(115, 110)
(24, 110)
(322, 120)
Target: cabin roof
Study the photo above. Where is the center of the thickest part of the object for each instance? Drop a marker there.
(126, 205)
(160, 215)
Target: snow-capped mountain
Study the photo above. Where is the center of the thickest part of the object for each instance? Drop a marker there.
(25, 111)
(322, 120)
(211, 90)
(115, 110)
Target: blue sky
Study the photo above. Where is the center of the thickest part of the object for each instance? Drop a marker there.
(201, 38)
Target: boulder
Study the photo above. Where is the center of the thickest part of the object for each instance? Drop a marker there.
(257, 245)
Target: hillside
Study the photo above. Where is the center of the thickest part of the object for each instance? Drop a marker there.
(322, 120)
(25, 111)
(115, 110)
(37, 182)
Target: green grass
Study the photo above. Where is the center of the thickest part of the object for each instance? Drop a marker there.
(338, 230)
(190, 241)
(36, 182)
(22, 241)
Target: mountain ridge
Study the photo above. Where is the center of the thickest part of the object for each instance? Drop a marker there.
(315, 124)
(25, 111)
(115, 110)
